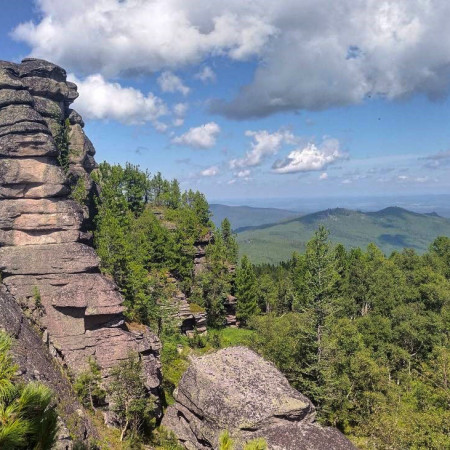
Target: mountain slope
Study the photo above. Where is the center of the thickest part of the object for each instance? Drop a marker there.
(391, 229)
(247, 216)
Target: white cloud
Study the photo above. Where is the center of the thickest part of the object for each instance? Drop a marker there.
(206, 74)
(310, 157)
(169, 82)
(309, 54)
(179, 110)
(210, 171)
(203, 137)
(243, 173)
(264, 144)
(323, 176)
(140, 36)
(100, 99)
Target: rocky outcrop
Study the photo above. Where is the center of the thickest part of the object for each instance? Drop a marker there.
(35, 364)
(46, 260)
(236, 390)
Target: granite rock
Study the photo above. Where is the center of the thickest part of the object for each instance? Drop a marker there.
(236, 390)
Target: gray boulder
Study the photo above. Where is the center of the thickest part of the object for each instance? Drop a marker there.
(236, 390)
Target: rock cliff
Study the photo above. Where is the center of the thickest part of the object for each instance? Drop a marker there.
(236, 390)
(46, 261)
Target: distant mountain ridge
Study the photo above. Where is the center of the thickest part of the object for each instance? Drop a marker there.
(248, 216)
(391, 228)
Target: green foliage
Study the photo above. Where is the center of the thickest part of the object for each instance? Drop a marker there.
(256, 444)
(88, 386)
(225, 441)
(246, 291)
(27, 415)
(165, 440)
(37, 297)
(174, 362)
(61, 137)
(145, 233)
(79, 192)
(134, 411)
(365, 337)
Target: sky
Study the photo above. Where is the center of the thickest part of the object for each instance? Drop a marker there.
(256, 99)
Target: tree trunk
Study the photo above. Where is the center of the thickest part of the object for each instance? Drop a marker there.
(124, 430)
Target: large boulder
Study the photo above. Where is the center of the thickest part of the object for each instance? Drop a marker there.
(236, 390)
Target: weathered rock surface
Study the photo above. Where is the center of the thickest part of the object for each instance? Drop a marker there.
(35, 364)
(236, 390)
(46, 261)
(35, 144)
(43, 170)
(13, 97)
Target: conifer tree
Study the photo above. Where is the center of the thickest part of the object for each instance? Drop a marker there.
(246, 291)
(229, 241)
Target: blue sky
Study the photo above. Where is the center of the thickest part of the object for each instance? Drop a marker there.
(256, 99)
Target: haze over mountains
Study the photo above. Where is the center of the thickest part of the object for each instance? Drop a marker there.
(391, 228)
(249, 216)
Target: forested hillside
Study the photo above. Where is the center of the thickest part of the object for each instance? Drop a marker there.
(364, 336)
(390, 229)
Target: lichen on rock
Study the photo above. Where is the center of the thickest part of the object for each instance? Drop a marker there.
(236, 390)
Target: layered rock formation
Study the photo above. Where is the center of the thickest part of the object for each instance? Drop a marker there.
(36, 364)
(236, 390)
(46, 261)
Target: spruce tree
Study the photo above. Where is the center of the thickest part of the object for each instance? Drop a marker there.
(246, 291)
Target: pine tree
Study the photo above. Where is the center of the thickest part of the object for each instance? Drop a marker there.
(27, 416)
(246, 291)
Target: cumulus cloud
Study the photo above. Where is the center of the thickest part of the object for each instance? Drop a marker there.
(263, 144)
(206, 74)
(202, 137)
(210, 171)
(323, 176)
(100, 99)
(169, 82)
(139, 36)
(310, 54)
(310, 158)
